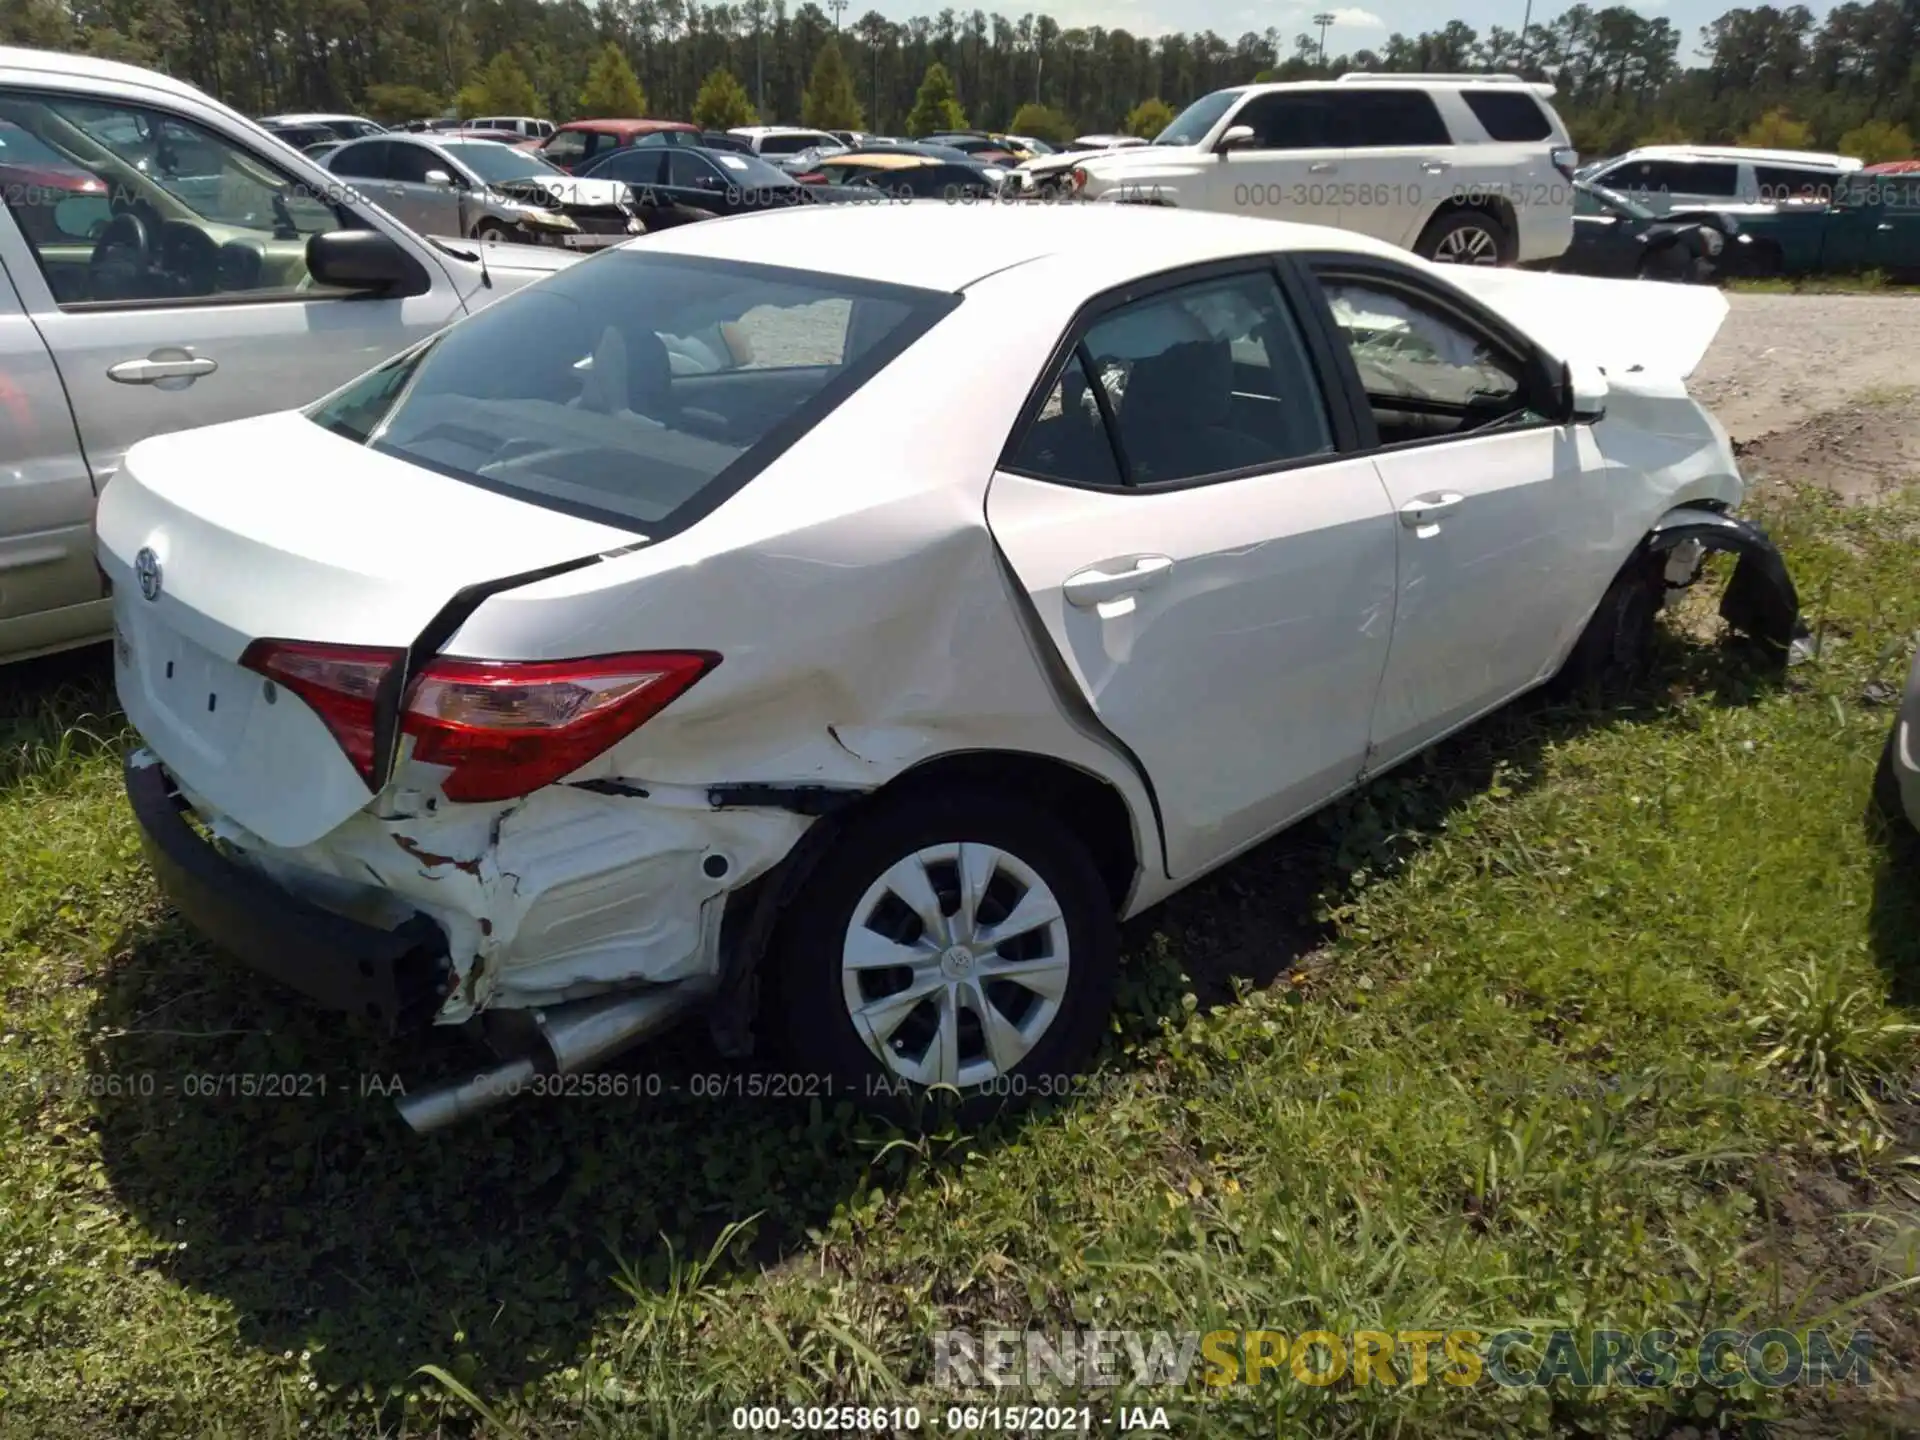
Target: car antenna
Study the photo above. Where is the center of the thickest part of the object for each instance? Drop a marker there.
(486, 280)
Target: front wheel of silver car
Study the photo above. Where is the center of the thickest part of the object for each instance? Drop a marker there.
(947, 945)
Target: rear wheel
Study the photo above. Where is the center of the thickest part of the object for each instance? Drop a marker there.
(946, 940)
(1466, 237)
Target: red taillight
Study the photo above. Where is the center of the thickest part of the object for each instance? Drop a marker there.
(502, 728)
(1079, 178)
(338, 681)
(1566, 160)
(508, 727)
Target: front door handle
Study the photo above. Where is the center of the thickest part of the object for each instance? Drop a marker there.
(1884, 225)
(1423, 513)
(1436, 167)
(171, 367)
(1111, 579)
(1324, 167)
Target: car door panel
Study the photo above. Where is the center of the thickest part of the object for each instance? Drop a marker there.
(1244, 676)
(1505, 529)
(1488, 588)
(1411, 165)
(1225, 603)
(1292, 168)
(50, 590)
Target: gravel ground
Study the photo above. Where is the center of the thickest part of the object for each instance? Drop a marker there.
(1782, 359)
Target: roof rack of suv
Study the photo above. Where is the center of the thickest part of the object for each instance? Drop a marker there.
(1468, 77)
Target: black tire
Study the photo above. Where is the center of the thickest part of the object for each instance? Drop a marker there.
(805, 1013)
(1887, 803)
(492, 231)
(1456, 235)
(1612, 652)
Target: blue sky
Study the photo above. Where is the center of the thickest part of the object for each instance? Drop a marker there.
(1360, 25)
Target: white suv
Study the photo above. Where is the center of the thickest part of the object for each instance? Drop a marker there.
(1465, 169)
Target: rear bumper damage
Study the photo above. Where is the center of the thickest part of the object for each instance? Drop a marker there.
(394, 977)
(572, 893)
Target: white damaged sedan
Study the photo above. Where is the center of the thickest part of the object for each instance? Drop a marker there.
(1006, 569)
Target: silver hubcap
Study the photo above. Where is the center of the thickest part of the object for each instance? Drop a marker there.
(1469, 245)
(955, 964)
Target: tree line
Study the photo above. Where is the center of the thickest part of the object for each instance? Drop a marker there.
(1768, 74)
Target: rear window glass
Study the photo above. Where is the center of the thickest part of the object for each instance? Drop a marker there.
(1779, 184)
(638, 390)
(1380, 119)
(1509, 115)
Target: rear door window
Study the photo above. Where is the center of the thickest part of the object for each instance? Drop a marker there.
(1387, 117)
(1781, 183)
(362, 160)
(643, 389)
(1650, 181)
(1508, 115)
(566, 147)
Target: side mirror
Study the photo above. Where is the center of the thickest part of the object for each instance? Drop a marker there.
(1582, 393)
(438, 177)
(1237, 137)
(363, 260)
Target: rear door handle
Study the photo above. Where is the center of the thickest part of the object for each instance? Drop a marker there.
(1424, 511)
(1111, 579)
(1436, 167)
(1324, 167)
(167, 363)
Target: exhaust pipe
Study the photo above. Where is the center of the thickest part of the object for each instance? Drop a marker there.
(579, 1035)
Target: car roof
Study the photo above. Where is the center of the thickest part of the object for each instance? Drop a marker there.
(936, 246)
(885, 160)
(777, 130)
(85, 67)
(626, 127)
(313, 119)
(1813, 159)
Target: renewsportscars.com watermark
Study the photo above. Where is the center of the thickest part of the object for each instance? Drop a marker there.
(1511, 1359)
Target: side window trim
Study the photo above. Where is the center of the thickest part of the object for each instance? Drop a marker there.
(1366, 269)
(1072, 343)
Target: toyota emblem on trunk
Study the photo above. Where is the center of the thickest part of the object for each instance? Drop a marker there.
(146, 566)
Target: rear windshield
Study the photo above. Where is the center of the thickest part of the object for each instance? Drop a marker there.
(635, 389)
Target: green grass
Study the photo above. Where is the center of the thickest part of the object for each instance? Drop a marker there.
(1594, 1016)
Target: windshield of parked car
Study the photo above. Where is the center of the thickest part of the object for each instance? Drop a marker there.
(495, 163)
(1191, 125)
(643, 387)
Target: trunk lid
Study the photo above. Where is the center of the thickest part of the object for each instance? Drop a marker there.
(275, 528)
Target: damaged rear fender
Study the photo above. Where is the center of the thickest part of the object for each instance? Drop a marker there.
(1760, 600)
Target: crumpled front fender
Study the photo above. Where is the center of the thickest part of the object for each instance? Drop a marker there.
(1760, 600)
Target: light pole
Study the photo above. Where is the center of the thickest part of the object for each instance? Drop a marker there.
(836, 6)
(1323, 20)
(1526, 23)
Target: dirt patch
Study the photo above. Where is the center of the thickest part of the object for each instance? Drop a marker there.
(1862, 451)
(1781, 359)
(1840, 1240)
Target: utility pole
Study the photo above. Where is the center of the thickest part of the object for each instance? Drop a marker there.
(1036, 74)
(1526, 23)
(759, 75)
(1323, 20)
